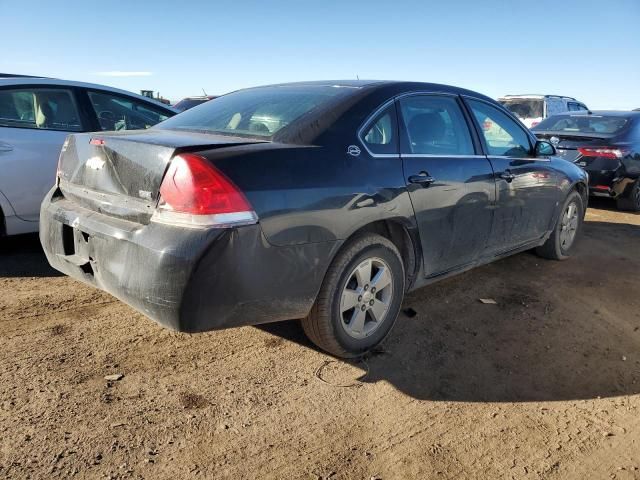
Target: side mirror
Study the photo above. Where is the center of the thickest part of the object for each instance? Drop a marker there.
(544, 149)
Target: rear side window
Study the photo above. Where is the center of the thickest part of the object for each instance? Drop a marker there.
(380, 135)
(502, 135)
(434, 126)
(116, 112)
(41, 108)
(575, 107)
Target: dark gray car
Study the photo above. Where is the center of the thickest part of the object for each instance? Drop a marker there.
(325, 201)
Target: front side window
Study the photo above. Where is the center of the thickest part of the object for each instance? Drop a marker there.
(434, 126)
(115, 112)
(502, 135)
(380, 135)
(40, 108)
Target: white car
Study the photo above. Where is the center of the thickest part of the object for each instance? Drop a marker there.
(532, 109)
(36, 115)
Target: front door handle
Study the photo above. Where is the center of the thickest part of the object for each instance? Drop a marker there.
(508, 176)
(5, 147)
(423, 179)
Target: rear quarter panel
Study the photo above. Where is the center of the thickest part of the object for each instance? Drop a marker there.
(315, 194)
(571, 177)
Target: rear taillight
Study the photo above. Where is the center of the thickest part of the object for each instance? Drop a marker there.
(59, 173)
(194, 193)
(604, 152)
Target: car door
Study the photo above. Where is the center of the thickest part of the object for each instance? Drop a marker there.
(450, 183)
(114, 111)
(34, 122)
(526, 186)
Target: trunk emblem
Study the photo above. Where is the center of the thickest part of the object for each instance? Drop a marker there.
(95, 163)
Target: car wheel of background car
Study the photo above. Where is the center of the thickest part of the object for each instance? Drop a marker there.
(563, 239)
(631, 201)
(359, 299)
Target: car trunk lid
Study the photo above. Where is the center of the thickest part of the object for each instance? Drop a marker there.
(567, 145)
(120, 174)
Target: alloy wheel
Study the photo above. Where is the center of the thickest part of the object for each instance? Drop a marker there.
(366, 297)
(569, 226)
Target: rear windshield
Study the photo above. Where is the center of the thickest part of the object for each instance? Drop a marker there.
(524, 108)
(256, 112)
(582, 124)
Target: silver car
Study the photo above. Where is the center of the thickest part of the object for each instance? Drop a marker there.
(36, 115)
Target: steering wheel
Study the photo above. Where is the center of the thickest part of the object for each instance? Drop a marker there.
(107, 120)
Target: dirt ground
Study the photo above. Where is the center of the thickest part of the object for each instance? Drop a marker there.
(545, 384)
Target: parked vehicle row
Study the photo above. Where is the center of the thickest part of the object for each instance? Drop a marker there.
(36, 115)
(605, 143)
(324, 201)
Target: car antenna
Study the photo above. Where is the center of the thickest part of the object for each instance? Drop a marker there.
(357, 77)
(205, 93)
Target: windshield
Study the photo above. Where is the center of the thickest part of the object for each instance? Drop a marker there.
(582, 124)
(524, 108)
(258, 112)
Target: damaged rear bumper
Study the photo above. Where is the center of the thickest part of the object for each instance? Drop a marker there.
(189, 280)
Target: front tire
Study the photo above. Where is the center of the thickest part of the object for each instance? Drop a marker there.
(360, 298)
(562, 241)
(631, 201)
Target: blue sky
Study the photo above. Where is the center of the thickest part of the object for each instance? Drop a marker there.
(587, 49)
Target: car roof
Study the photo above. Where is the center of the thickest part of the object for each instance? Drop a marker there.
(607, 113)
(198, 97)
(399, 86)
(331, 83)
(537, 96)
(42, 81)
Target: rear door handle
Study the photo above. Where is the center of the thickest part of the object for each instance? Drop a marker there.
(5, 147)
(423, 179)
(508, 176)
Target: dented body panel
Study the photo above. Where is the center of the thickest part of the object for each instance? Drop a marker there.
(191, 281)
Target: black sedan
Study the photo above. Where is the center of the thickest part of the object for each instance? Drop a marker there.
(324, 201)
(607, 145)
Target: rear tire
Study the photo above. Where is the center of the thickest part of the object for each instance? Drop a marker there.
(350, 315)
(631, 201)
(562, 241)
